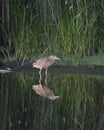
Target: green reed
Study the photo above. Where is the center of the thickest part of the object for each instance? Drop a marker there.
(46, 27)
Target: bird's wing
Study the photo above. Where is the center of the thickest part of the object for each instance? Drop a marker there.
(42, 61)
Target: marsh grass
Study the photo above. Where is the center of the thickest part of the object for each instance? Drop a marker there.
(52, 27)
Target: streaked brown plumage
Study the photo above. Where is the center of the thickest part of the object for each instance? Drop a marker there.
(45, 62)
(44, 91)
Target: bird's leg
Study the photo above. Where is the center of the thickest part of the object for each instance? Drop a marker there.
(40, 80)
(46, 72)
(40, 74)
(46, 76)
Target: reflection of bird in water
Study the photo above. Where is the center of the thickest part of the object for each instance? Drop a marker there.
(45, 62)
(44, 91)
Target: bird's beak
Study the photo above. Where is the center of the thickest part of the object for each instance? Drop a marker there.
(57, 58)
(54, 97)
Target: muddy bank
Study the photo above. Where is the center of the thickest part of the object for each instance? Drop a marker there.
(26, 66)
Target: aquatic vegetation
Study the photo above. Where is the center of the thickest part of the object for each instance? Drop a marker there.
(52, 27)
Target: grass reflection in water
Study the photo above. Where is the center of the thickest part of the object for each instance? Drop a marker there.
(80, 106)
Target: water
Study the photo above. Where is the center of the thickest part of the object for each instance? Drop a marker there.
(80, 105)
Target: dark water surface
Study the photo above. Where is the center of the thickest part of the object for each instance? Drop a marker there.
(80, 105)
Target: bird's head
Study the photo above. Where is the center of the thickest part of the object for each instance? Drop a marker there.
(53, 97)
(54, 57)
